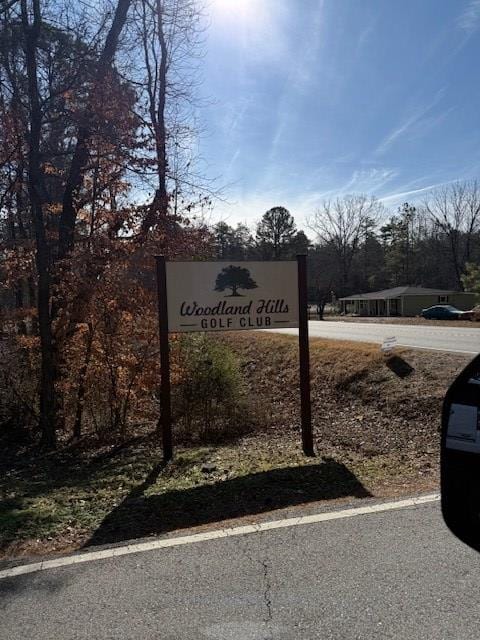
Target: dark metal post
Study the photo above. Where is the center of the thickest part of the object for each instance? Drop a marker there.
(165, 420)
(307, 434)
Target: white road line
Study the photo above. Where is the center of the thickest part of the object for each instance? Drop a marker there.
(140, 547)
(445, 350)
(375, 341)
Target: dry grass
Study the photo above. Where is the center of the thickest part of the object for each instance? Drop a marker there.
(375, 434)
(358, 403)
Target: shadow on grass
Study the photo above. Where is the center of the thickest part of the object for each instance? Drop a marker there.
(41, 491)
(140, 516)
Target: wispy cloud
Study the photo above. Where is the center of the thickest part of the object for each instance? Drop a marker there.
(285, 131)
(368, 180)
(412, 194)
(231, 164)
(365, 36)
(248, 208)
(469, 20)
(302, 66)
(415, 119)
(233, 115)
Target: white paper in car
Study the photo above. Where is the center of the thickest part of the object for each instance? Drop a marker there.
(462, 432)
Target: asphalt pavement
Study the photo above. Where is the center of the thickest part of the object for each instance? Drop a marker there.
(393, 574)
(452, 339)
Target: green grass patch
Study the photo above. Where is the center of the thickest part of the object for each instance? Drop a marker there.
(67, 505)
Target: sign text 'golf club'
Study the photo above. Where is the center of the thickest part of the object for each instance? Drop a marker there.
(231, 296)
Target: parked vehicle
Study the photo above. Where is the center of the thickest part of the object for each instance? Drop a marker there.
(445, 312)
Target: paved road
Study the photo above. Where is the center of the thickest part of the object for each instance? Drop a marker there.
(454, 339)
(397, 574)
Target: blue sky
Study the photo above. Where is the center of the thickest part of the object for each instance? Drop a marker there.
(311, 99)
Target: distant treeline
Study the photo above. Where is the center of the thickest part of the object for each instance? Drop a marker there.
(360, 246)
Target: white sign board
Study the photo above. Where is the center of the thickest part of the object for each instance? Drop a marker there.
(231, 296)
(389, 344)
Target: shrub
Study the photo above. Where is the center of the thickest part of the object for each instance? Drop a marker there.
(208, 398)
(18, 385)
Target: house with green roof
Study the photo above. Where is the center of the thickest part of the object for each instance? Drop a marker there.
(403, 301)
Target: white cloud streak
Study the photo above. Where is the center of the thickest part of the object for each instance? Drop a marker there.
(299, 76)
(469, 20)
(368, 180)
(415, 120)
(401, 196)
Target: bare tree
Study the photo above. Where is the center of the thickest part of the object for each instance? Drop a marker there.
(170, 33)
(340, 224)
(455, 212)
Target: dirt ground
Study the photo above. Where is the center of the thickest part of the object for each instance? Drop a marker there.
(357, 401)
(376, 435)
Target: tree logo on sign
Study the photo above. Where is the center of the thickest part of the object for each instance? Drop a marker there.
(234, 278)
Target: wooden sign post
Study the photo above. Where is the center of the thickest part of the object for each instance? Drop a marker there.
(232, 296)
(304, 353)
(165, 420)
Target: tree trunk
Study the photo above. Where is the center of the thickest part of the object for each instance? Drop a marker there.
(159, 207)
(80, 157)
(77, 426)
(37, 194)
(48, 375)
(161, 132)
